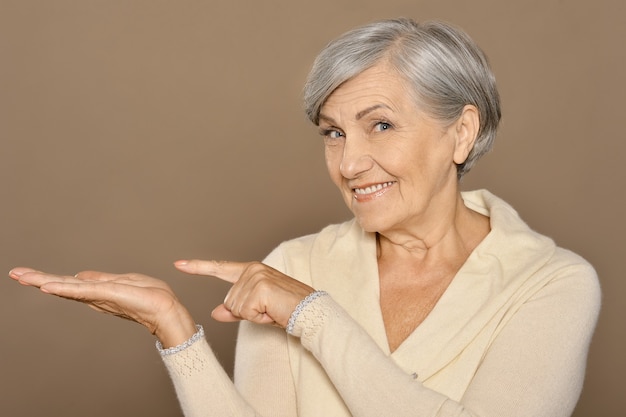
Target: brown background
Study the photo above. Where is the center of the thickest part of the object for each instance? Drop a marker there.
(135, 133)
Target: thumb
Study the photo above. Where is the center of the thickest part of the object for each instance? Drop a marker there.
(220, 313)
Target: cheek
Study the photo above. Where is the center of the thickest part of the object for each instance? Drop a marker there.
(333, 164)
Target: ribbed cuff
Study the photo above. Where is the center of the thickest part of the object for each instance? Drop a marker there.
(301, 306)
(175, 349)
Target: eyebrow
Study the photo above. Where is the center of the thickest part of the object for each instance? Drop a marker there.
(370, 109)
(359, 115)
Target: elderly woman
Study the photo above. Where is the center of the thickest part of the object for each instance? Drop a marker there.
(430, 302)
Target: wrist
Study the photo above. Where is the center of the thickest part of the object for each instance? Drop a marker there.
(175, 328)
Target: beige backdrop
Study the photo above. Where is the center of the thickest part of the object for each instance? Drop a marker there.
(135, 133)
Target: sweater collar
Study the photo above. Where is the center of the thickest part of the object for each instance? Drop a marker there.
(508, 256)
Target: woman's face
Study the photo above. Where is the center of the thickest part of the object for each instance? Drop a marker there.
(394, 165)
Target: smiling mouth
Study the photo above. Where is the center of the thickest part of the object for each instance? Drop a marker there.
(372, 188)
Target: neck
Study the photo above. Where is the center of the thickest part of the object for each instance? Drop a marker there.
(454, 233)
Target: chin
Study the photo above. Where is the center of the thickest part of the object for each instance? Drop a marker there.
(369, 225)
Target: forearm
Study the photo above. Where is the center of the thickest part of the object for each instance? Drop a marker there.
(526, 361)
(369, 382)
(202, 386)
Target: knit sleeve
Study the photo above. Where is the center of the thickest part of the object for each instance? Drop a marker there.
(263, 372)
(202, 386)
(263, 383)
(262, 368)
(534, 367)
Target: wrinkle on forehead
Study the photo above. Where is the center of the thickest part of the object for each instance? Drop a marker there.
(375, 88)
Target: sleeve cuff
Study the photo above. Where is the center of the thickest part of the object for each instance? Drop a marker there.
(311, 316)
(176, 349)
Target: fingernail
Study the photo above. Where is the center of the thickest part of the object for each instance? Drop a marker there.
(182, 262)
(16, 274)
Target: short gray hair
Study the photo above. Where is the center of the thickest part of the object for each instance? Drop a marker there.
(445, 67)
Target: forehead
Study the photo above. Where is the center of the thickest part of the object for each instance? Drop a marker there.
(379, 84)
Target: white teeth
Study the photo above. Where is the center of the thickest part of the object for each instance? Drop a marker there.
(372, 188)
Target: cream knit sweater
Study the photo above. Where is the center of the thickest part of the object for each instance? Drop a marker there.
(509, 337)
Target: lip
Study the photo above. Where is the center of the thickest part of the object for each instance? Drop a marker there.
(368, 192)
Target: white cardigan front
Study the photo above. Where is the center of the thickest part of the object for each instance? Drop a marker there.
(509, 337)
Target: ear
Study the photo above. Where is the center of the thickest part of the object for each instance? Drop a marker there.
(466, 129)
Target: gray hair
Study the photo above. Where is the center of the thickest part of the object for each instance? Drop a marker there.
(445, 68)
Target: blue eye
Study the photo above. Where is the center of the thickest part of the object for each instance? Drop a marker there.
(382, 126)
(331, 133)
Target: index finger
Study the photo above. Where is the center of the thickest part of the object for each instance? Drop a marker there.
(225, 270)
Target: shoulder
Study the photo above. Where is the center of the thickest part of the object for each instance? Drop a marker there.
(297, 254)
(574, 276)
(328, 237)
(526, 257)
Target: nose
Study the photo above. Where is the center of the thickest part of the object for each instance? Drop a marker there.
(356, 158)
